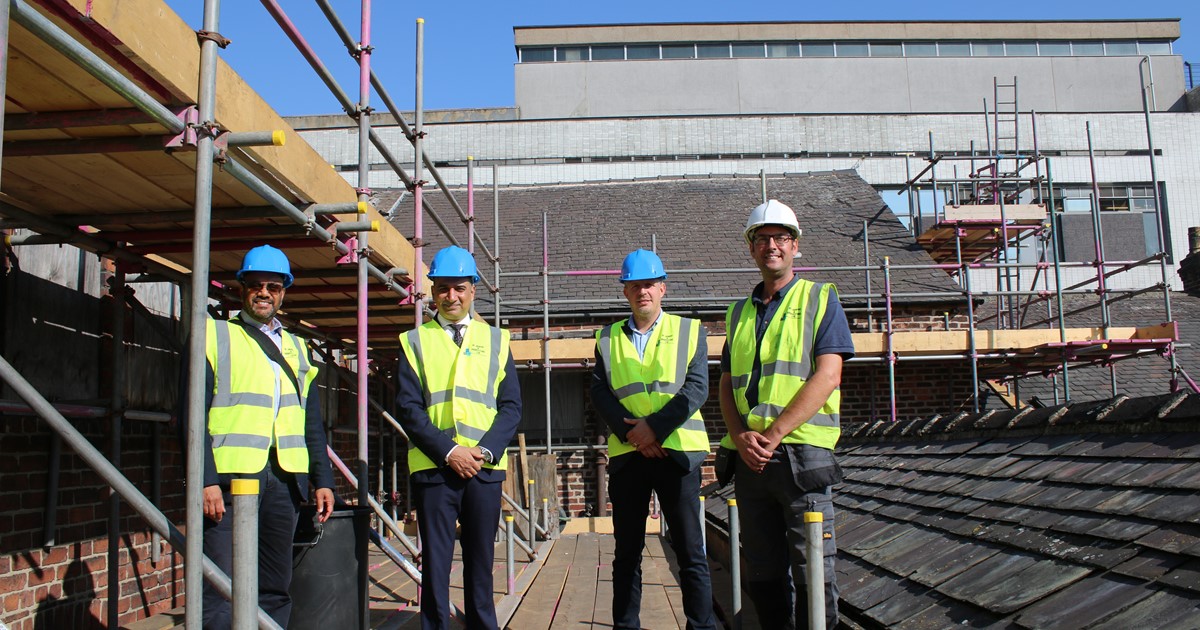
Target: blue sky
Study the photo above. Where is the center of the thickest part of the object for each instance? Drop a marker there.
(469, 53)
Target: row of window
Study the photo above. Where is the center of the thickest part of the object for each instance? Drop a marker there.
(753, 50)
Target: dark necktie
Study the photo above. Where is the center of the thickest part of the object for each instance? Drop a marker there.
(456, 330)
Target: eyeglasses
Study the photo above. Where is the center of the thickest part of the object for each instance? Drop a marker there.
(272, 287)
(761, 240)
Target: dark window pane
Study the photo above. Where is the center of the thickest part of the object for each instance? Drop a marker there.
(783, 50)
(885, 50)
(988, 49)
(1020, 49)
(573, 53)
(749, 50)
(606, 53)
(851, 49)
(678, 51)
(816, 50)
(642, 51)
(920, 49)
(1154, 48)
(954, 50)
(1054, 49)
(712, 51)
(1120, 48)
(531, 55)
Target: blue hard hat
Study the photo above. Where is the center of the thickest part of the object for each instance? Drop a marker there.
(453, 262)
(642, 264)
(268, 260)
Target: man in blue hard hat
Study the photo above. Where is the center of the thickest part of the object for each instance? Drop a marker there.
(459, 400)
(263, 422)
(780, 394)
(649, 382)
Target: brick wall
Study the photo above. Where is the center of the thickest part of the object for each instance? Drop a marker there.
(66, 585)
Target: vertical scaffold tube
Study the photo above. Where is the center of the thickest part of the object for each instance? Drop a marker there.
(890, 333)
(735, 562)
(703, 528)
(815, 569)
(113, 590)
(546, 326)
(418, 218)
(198, 303)
(364, 251)
(471, 204)
(496, 238)
(532, 508)
(509, 560)
(1158, 219)
(1097, 229)
(245, 553)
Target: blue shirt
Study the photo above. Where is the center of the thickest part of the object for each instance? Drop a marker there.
(639, 338)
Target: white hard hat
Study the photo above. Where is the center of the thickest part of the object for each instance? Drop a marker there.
(773, 212)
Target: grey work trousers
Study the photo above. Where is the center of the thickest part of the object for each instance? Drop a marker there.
(771, 505)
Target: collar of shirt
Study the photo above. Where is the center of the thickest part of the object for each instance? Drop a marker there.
(273, 328)
(446, 324)
(756, 296)
(641, 339)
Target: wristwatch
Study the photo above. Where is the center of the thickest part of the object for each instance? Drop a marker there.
(488, 458)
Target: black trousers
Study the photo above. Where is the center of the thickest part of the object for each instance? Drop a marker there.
(278, 511)
(475, 505)
(771, 506)
(678, 491)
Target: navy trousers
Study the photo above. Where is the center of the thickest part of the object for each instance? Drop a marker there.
(278, 512)
(679, 497)
(475, 505)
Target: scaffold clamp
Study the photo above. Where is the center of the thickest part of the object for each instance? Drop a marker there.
(351, 256)
(213, 36)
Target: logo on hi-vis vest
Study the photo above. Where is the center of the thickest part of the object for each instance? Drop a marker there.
(474, 348)
(792, 312)
(666, 338)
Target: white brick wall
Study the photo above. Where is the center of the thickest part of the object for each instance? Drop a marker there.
(534, 152)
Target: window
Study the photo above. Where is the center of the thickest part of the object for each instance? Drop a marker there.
(1020, 49)
(1154, 48)
(531, 55)
(749, 50)
(988, 49)
(712, 51)
(1120, 48)
(1054, 49)
(886, 50)
(1087, 49)
(641, 51)
(920, 49)
(1127, 219)
(816, 50)
(573, 53)
(954, 50)
(851, 49)
(678, 51)
(607, 53)
(781, 50)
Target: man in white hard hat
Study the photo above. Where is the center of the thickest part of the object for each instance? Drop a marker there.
(650, 380)
(780, 374)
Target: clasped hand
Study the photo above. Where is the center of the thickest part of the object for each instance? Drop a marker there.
(755, 448)
(642, 437)
(465, 462)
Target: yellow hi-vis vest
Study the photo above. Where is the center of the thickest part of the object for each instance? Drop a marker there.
(460, 384)
(646, 384)
(786, 353)
(241, 419)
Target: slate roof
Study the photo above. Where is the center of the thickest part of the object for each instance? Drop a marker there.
(1079, 516)
(696, 222)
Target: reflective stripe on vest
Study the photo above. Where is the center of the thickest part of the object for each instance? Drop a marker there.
(786, 352)
(646, 384)
(242, 418)
(459, 384)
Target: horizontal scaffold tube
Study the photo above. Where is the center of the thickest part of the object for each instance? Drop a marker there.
(113, 477)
